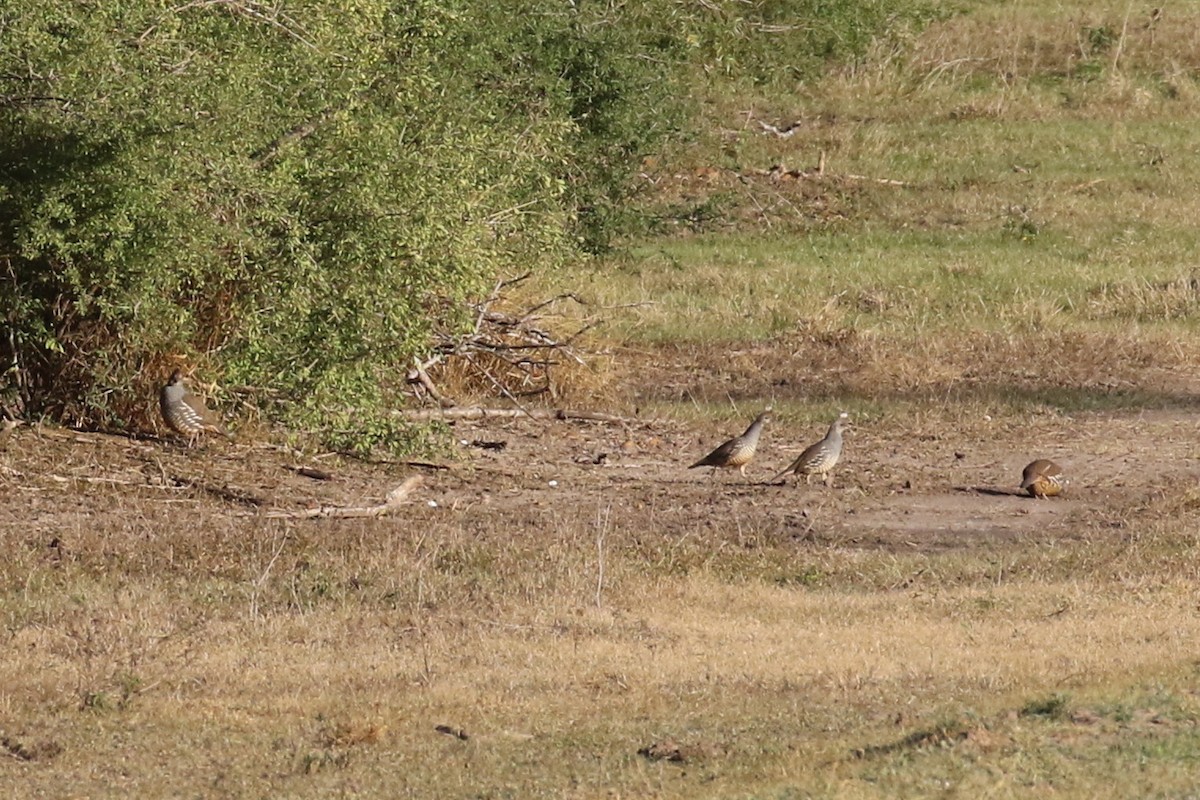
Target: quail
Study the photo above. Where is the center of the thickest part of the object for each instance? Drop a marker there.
(184, 412)
(819, 458)
(7, 427)
(738, 451)
(1043, 478)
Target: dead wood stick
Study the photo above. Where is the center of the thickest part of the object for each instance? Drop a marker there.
(229, 494)
(501, 284)
(503, 389)
(333, 512)
(869, 179)
(436, 358)
(418, 375)
(392, 503)
(479, 412)
(820, 174)
(296, 134)
(637, 304)
(564, 296)
(93, 479)
(482, 308)
(429, 465)
(514, 281)
(314, 473)
(566, 345)
(786, 132)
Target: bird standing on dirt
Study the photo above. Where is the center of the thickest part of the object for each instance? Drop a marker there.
(737, 452)
(184, 412)
(1043, 478)
(819, 458)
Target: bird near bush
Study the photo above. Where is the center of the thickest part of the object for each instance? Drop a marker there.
(186, 413)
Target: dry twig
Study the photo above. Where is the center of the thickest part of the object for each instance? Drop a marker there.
(479, 412)
(508, 352)
(392, 503)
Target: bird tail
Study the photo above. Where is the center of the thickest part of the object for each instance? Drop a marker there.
(782, 472)
(220, 431)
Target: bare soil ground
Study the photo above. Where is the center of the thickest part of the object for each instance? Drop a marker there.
(930, 483)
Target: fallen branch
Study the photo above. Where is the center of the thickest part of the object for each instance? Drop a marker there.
(93, 479)
(783, 133)
(517, 341)
(418, 375)
(226, 493)
(366, 459)
(869, 179)
(430, 465)
(314, 473)
(393, 502)
(777, 172)
(500, 386)
(478, 412)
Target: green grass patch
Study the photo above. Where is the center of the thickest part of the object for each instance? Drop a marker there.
(728, 288)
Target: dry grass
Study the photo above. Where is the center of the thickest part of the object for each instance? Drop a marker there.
(258, 659)
(577, 596)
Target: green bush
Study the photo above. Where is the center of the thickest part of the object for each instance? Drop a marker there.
(290, 197)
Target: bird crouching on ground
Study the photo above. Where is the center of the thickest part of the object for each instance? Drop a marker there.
(737, 452)
(1043, 478)
(819, 458)
(186, 413)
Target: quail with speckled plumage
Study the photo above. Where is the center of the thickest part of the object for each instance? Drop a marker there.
(184, 412)
(737, 452)
(819, 458)
(1043, 478)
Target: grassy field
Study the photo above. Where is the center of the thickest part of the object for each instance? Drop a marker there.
(996, 262)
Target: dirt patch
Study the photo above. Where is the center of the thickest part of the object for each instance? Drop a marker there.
(916, 485)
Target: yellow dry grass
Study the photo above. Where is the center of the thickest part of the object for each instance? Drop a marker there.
(767, 686)
(160, 639)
